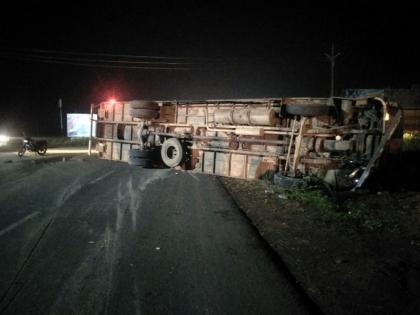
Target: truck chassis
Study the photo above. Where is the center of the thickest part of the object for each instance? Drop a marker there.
(338, 140)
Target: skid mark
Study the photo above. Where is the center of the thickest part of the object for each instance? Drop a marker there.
(137, 299)
(110, 259)
(134, 194)
(91, 283)
(18, 223)
(101, 177)
(98, 279)
(119, 208)
(134, 202)
(76, 185)
(68, 192)
(193, 176)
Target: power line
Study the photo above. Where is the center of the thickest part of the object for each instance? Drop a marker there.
(43, 51)
(97, 60)
(93, 65)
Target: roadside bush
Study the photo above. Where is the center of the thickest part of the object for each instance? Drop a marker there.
(353, 212)
(411, 141)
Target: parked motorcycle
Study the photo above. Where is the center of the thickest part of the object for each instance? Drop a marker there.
(28, 144)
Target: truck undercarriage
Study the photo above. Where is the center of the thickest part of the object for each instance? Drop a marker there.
(338, 140)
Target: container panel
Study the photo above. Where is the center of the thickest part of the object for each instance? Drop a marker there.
(253, 163)
(126, 113)
(208, 165)
(108, 131)
(107, 150)
(237, 165)
(128, 132)
(118, 111)
(116, 151)
(124, 152)
(222, 164)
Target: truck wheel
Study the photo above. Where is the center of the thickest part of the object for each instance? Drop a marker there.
(144, 113)
(307, 110)
(172, 152)
(142, 154)
(146, 163)
(144, 105)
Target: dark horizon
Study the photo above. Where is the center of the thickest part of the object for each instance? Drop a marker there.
(260, 52)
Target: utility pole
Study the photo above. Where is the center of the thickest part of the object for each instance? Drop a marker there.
(91, 130)
(60, 106)
(332, 58)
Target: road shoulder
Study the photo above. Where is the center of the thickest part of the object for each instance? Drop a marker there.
(346, 266)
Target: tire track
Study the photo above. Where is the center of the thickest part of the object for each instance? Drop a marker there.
(68, 192)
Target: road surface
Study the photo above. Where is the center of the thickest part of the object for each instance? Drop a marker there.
(88, 236)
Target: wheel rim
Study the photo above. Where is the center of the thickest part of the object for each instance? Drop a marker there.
(172, 153)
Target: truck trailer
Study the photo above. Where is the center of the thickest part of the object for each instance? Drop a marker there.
(339, 140)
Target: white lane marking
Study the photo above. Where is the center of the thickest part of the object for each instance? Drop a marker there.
(20, 222)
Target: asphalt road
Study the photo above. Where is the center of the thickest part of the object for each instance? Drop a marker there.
(89, 236)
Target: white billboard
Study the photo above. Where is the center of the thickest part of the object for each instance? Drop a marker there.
(78, 125)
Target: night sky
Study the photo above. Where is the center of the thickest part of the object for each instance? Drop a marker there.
(237, 51)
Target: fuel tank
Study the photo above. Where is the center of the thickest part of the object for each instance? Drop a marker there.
(245, 116)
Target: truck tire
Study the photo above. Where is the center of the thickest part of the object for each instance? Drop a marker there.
(172, 152)
(144, 113)
(142, 154)
(307, 110)
(146, 163)
(144, 105)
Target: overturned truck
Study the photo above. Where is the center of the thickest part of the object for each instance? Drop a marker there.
(339, 140)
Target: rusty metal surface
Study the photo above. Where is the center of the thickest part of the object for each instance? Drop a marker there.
(249, 138)
(380, 148)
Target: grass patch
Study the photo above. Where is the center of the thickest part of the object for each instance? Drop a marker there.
(355, 212)
(411, 141)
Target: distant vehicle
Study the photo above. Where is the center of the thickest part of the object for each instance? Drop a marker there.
(28, 144)
(4, 140)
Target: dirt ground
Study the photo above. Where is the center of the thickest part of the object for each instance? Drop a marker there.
(361, 256)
